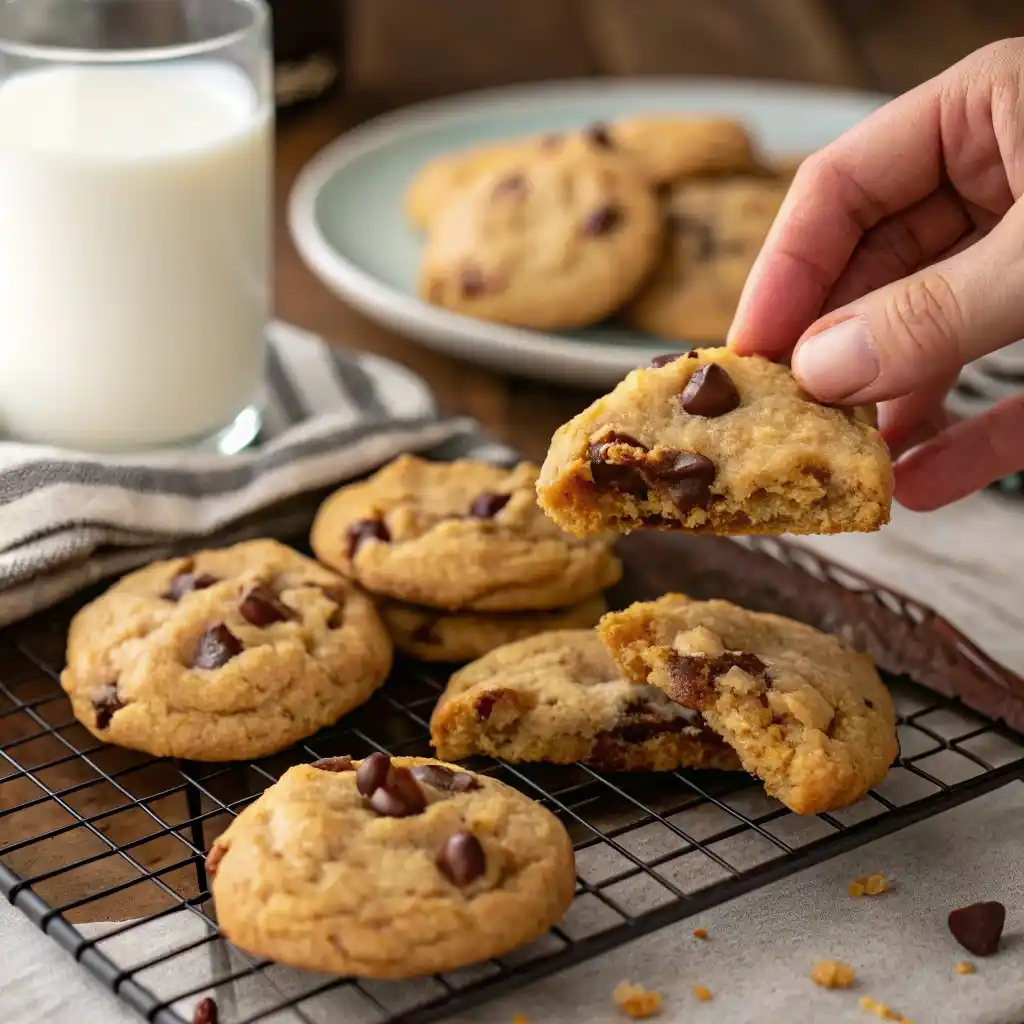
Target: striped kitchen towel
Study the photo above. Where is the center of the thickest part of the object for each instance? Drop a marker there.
(69, 519)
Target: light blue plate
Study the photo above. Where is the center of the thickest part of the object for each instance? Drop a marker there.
(347, 219)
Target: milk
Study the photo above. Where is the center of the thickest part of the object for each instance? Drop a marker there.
(134, 252)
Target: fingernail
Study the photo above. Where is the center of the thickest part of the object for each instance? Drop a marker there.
(839, 362)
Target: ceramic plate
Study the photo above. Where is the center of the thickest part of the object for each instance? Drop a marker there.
(347, 220)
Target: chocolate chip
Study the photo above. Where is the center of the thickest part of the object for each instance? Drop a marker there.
(624, 477)
(510, 185)
(698, 230)
(205, 1012)
(868, 704)
(693, 354)
(820, 473)
(334, 764)
(978, 927)
(602, 220)
(106, 705)
(461, 860)
(709, 392)
(260, 607)
(691, 677)
(216, 647)
(185, 582)
(599, 135)
(484, 707)
(472, 282)
(399, 796)
(363, 531)
(687, 478)
(445, 779)
(487, 506)
(372, 773)
(670, 357)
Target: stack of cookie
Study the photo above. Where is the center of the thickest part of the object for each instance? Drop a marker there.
(460, 557)
(657, 220)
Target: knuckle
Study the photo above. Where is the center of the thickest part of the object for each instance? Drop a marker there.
(925, 321)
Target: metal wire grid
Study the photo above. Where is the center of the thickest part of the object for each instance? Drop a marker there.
(651, 849)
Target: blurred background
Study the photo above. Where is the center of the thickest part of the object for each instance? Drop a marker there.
(343, 61)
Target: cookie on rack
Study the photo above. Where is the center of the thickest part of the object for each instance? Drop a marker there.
(808, 716)
(558, 240)
(227, 655)
(389, 868)
(431, 635)
(559, 697)
(714, 231)
(459, 536)
(712, 442)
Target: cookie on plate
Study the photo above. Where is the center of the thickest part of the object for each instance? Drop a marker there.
(460, 536)
(224, 656)
(559, 240)
(714, 231)
(389, 868)
(807, 715)
(559, 697)
(432, 635)
(713, 442)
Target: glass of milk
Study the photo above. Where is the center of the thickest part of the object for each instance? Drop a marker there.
(135, 192)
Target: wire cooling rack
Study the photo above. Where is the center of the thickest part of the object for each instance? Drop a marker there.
(92, 834)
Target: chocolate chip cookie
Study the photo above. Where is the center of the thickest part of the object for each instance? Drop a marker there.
(805, 714)
(712, 442)
(560, 239)
(389, 868)
(559, 697)
(430, 635)
(461, 536)
(713, 233)
(224, 656)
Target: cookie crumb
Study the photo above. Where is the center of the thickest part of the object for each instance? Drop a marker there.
(882, 1011)
(965, 967)
(833, 974)
(700, 933)
(870, 885)
(702, 993)
(635, 1001)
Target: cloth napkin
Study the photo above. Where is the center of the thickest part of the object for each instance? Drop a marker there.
(69, 519)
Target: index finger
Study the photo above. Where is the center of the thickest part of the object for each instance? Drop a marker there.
(887, 162)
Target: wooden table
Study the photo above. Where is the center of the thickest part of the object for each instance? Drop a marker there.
(401, 51)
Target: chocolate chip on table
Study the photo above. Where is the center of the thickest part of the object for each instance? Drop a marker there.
(363, 531)
(399, 796)
(372, 773)
(440, 777)
(979, 927)
(216, 647)
(709, 392)
(461, 860)
(260, 607)
(343, 763)
(624, 477)
(487, 506)
(602, 220)
(686, 477)
(186, 582)
(205, 1012)
(106, 705)
(599, 135)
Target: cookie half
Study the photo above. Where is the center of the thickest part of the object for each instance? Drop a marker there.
(429, 635)
(389, 868)
(712, 442)
(559, 697)
(807, 715)
(223, 656)
(459, 536)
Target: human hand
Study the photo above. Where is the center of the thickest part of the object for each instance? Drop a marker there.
(897, 258)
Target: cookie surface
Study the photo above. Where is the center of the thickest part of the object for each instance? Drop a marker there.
(559, 240)
(431, 869)
(429, 635)
(559, 697)
(712, 442)
(461, 535)
(226, 655)
(714, 231)
(807, 715)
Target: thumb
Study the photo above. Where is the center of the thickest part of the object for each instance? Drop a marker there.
(922, 328)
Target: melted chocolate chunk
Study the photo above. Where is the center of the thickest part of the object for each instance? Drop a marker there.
(603, 220)
(461, 860)
(333, 764)
(692, 676)
(640, 721)
(979, 927)
(709, 392)
(624, 477)
(106, 705)
(487, 506)
(260, 607)
(399, 796)
(363, 531)
(445, 779)
(686, 477)
(216, 647)
(205, 1012)
(372, 773)
(599, 135)
(186, 582)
